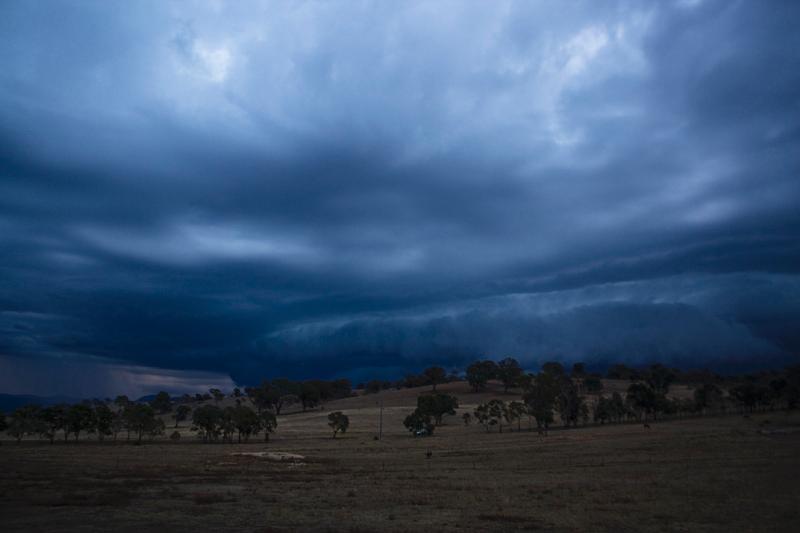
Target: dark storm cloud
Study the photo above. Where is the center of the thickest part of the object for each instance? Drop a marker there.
(300, 189)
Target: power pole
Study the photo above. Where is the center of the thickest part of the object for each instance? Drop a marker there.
(380, 423)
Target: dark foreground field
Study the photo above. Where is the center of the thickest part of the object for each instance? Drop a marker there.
(713, 474)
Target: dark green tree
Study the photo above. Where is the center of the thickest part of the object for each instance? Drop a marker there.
(480, 372)
(181, 413)
(419, 421)
(310, 395)
(269, 423)
(121, 402)
(569, 403)
(162, 403)
(578, 370)
(642, 399)
(509, 372)
(141, 419)
(246, 421)
(515, 412)
(592, 384)
(80, 418)
(435, 375)
(285, 393)
(262, 397)
(207, 420)
(55, 419)
(707, 396)
(659, 378)
(104, 420)
(554, 369)
(437, 405)
(25, 421)
(338, 422)
(492, 413)
(217, 394)
(540, 399)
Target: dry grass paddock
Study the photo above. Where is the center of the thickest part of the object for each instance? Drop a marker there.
(710, 474)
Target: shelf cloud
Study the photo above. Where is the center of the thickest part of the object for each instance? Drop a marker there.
(269, 188)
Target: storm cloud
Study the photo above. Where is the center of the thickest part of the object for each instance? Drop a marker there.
(309, 189)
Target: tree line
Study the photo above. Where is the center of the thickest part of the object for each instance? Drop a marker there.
(577, 397)
(254, 411)
(554, 391)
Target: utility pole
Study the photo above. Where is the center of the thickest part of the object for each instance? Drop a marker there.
(380, 423)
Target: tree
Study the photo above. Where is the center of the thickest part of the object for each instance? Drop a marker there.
(141, 419)
(118, 423)
(79, 418)
(578, 370)
(162, 403)
(515, 412)
(618, 409)
(227, 425)
(374, 386)
(284, 392)
(25, 421)
(309, 395)
(593, 384)
(269, 423)
(509, 372)
(55, 419)
(745, 394)
(246, 421)
(435, 375)
(540, 400)
(262, 397)
(620, 371)
(207, 420)
(437, 405)
(419, 421)
(104, 420)
(641, 398)
(338, 422)
(181, 413)
(554, 369)
(569, 403)
(659, 378)
(121, 402)
(492, 413)
(603, 410)
(3, 422)
(480, 372)
(706, 396)
(217, 394)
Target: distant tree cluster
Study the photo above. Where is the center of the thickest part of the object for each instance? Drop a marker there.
(214, 423)
(276, 394)
(552, 391)
(576, 397)
(87, 418)
(431, 409)
(430, 377)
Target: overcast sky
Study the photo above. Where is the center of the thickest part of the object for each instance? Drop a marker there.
(212, 192)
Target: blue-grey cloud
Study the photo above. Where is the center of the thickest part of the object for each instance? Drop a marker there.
(260, 187)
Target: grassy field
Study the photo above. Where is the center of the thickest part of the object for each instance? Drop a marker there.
(710, 474)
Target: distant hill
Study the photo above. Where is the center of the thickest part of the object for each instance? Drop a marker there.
(9, 402)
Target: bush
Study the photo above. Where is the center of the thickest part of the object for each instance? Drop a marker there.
(175, 437)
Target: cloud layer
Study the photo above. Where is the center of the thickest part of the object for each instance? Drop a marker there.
(262, 188)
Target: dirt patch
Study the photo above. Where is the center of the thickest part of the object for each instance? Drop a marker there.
(273, 456)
